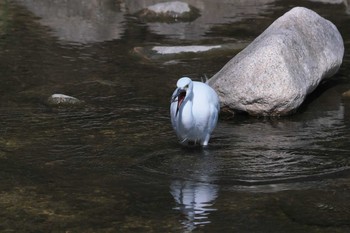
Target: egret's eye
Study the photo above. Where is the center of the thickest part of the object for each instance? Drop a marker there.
(186, 86)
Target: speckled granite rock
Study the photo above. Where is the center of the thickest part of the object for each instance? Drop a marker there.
(60, 99)
(274, 74)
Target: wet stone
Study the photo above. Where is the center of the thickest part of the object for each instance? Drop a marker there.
(183, 51)
(169, 12)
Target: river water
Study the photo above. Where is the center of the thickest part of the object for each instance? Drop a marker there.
(113, 163)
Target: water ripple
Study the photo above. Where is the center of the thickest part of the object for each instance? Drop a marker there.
(255, 153)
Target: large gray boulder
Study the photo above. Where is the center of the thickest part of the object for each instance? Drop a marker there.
(273, 75)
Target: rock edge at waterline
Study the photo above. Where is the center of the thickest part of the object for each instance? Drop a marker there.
(273, 75)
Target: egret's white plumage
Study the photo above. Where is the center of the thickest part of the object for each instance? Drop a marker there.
(194, 111)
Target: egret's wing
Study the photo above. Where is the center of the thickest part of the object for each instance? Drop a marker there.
(214, 109)
(213, 118)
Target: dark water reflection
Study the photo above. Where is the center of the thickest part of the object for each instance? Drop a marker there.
(80, 21)
(114, 165)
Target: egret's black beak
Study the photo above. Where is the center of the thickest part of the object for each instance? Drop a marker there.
(179, 96)
(173, 98)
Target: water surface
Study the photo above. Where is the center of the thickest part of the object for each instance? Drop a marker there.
(113, 164)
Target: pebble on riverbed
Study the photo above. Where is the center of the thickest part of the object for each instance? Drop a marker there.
(169, 12)
(61, 99)
(346, 94)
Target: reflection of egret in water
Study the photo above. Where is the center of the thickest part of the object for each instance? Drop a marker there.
(191, 173)
(195, 201)
(193, 189)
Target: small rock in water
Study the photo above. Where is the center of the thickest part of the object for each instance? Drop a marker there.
(183, 49)
(177, 7)
(61, 99)
(274, 74)
(169, 52)
(169, 11)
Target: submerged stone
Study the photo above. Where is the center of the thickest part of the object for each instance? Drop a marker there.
(169, 52)
(275, 73)
(319, 208)
(183, 49)
(61, 99)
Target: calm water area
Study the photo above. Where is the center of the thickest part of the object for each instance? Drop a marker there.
(113, 163)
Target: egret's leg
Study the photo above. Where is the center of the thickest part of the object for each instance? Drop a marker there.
(206, 140)
(183, 141)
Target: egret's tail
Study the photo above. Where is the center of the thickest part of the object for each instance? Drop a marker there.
(206, 79)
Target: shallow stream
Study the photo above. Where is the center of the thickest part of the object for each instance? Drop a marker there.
(113, 163)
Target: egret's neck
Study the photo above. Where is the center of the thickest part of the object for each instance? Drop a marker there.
(186, 116)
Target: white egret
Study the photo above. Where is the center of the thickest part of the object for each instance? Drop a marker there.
(194, 111)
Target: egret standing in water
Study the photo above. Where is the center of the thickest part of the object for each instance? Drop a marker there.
(194, 111)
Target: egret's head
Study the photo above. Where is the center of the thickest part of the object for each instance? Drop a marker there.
(184, 85)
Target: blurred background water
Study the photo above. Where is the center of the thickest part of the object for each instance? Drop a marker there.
(113, 164)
